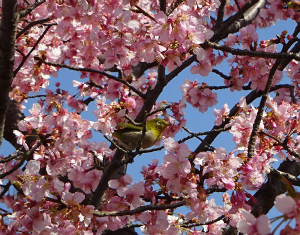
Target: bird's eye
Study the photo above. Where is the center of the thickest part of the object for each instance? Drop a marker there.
(158, 123)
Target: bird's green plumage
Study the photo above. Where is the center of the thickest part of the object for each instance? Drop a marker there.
(129, 135)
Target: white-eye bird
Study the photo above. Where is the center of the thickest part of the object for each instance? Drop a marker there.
(129, 135)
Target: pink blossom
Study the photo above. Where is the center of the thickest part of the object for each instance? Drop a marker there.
(133, 193)
(21, 139)
(221, 114)
(33, 167)
(248, 35)
(199, 97)
(252, 225)
(289, 207)
(203, 68)
(285, 204)
(36, 190)
(238, 201)
(163, 27)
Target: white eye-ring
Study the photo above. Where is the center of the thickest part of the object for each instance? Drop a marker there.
(158, 123)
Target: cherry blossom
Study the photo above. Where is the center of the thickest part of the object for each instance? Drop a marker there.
(68, 177)
(251, 225)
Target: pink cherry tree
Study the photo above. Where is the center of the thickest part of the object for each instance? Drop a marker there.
(68, 175)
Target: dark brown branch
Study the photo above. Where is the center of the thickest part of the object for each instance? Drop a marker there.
(191, 224)
(139, 209)
(260, 54)
(183, 66)
(19, 164)
(273, 187)
(294, 180)
(31, 24)
(94, 71)
(159, 110)
(221, 12)
(283, 144)
(211, 137)
(15, 115)
(31, 8)
(96, 199)
(32, 49)
(256, 124)
(237, 4)
(140, 10)
(295, 49)
(254, 132)
(241, 19)
(290, 87)
(197, 137)
(221, 74)
(9, 23)
(5, 189)
(162, 5)
(174, 6)
(11, 156)
(214, 189)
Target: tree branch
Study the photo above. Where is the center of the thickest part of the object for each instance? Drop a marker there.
(162, 5)
(32, 49)
(12, 156)
(283, 144)
(95, 71)
(174, 6)
(260, 54)
(31, 8)
(139, 209)
(254, 132)
(242, 18)
(221, 12)
(24, 158)
(273, 187)
(9, 23)
(31, 24)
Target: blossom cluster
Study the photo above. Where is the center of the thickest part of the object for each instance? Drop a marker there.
(106, 41)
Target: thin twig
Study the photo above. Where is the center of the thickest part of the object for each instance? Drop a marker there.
(139, 209)
(140, 10)
(5, 190)
(94, 71)
(259, 115)
(115, 144)
(31, 8)
(283, 144)
(133, 122)
(237, 4)
(221, 74)
(31, 24)
(192, 134)
(214, 189)
(191, 224)
(260, 54)
(12, 156)
(25, 157)
(160, 109)
(174, 6)
(32, 49)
